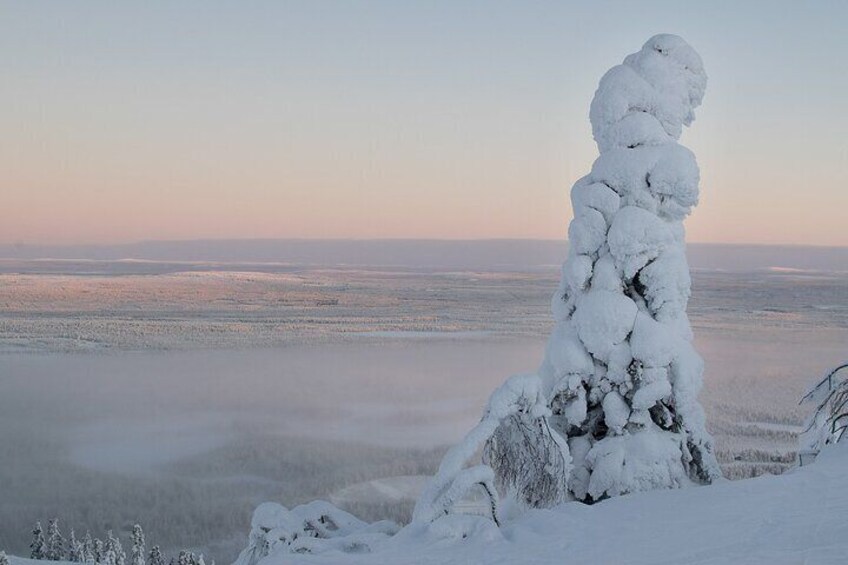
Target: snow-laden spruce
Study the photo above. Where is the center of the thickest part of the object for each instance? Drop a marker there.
(613, 409)
(620, 370)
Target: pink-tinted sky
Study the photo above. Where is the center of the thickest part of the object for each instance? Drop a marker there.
(188, 120)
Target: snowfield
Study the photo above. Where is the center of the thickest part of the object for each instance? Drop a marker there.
(794, 518)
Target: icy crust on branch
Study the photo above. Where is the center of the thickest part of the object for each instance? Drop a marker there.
(620, 370)
(315, 527)
(522, 457)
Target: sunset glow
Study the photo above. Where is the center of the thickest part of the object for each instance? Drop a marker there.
(377, 120)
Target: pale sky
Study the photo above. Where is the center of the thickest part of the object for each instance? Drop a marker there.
(125, 121)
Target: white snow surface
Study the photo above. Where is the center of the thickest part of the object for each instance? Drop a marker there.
(794, 518)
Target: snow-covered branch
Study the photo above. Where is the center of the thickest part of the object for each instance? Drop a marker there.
(829, 420)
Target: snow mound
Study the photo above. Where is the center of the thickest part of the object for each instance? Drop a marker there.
(315, 527)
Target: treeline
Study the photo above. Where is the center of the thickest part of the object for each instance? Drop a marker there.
(52, 546)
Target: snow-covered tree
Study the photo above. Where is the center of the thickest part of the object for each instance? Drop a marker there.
(38, 546)
(155, 557)
(613, 408)
(75, 550)
(114, 551)
(620, 370)
(137, 553)
(55, 541)
(120, 554)
(4, 559)
(522, 456)
(88, 548)
(99, 551)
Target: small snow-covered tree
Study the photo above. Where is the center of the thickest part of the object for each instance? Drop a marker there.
(55, 541)
(88, 548)
(155, 557)
(114, 551)
(75, 551)
(522, 456)
(620, 370)
(99, 551)
(38, 546)
(137, 553)
(4, 559)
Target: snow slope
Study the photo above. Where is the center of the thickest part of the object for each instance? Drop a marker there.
(795, 518)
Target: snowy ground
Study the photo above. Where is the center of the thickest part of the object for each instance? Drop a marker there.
(305, 384)
(793, 519)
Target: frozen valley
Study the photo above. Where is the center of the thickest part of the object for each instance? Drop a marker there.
(181, 400)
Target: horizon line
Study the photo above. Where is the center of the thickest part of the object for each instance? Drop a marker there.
(22, 245)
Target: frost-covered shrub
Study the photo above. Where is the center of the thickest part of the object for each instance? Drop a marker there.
(522, 456)
(829, 421)
(620, 369)
(530, 460)
(309, 528)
